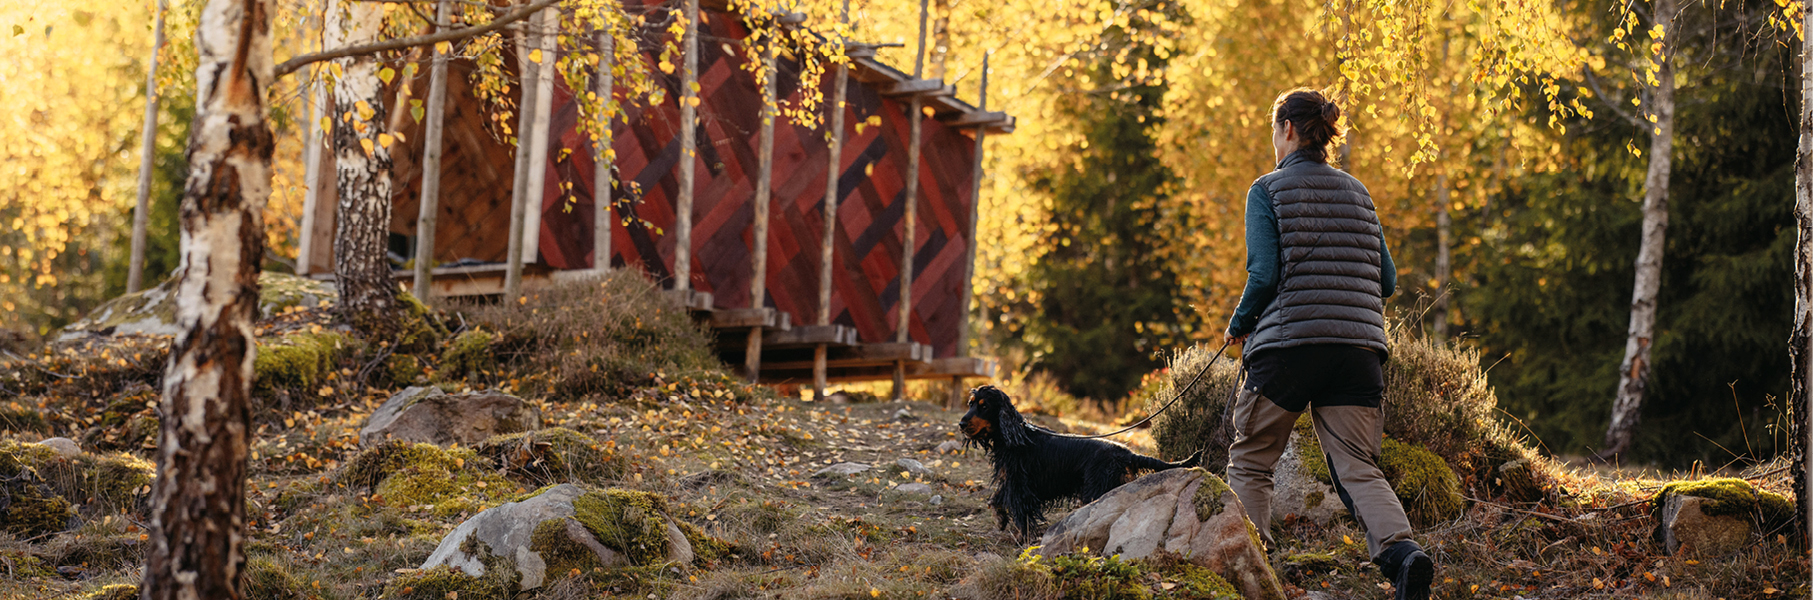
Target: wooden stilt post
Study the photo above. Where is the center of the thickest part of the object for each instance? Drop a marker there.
(828, 236)
(548, 25)
(689, 150)
(601, 164)
(969, 262)
(311, 178)
(141, 213)
(431, 165)
(525, 39)
(903, 330)
(764, 183)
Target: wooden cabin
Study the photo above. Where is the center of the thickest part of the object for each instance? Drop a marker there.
(861, 338)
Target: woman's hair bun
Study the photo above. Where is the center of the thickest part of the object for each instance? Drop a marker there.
(1331, 113)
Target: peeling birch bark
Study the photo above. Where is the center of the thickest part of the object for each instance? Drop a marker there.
(198, 502)
(1800, 342)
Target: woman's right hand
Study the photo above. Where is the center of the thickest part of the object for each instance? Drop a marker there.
(1231, 339)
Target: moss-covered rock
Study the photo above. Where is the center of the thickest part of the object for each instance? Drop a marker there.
(412, 476)
(422, 329)
(440, 583)
(1731, 497)
(1092, 576)
(46, 486)
(1208, 497)
(467, 355)
(1198, 583)
(268, 580)
(1422, 481)
(555, 455)
(298, 362)
(632, 522)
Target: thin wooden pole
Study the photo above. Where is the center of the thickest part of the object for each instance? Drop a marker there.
(311, 177)
(513, 263)
(601, 164)
(828, 234)
(548, 22)
(969, 260)
(764, 184)
(141, 213)
(689, 146)
(431, 165)
(903, 329)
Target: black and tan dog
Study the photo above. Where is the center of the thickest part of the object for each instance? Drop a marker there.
(1036, 466)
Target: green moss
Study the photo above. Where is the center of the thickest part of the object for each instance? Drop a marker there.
(421, 329)
(25, 565)
(266, 580)
(630, 522)
(555, 455)
(1098, 578)
(297, 361)
(438, 582)
(404, 369)
(408, 475)
(1313, 561)
(562, 555)
(1208, 495)
(467, 355)
(1730, 497)
(1200, 583)
(280, 291)
(118, 591)
(45, 486)
(1422, 481)
(1309, 450)
(21, 419)
(33, 511)
(1313, 499)
(705, 548)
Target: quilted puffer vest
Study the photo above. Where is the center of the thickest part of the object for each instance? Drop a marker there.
(1328, 289)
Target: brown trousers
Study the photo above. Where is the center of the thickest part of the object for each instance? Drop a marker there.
(1350, 436)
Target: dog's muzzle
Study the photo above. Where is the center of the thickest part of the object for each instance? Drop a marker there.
(974, 427)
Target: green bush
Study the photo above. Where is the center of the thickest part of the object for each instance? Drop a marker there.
(603, 334)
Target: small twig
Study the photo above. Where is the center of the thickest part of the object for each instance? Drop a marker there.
(1762, 476)
(1527, 512)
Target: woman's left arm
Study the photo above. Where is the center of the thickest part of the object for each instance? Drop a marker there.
(1388, 272)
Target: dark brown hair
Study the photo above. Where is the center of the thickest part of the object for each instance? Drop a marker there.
(1317, 119)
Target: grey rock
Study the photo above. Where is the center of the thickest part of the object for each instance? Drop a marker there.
(1183, 512)
(841, 469)
(152, 311)
(1686, 526)
(62, 445)
(950, 446)
(914, 488)
(913, 466)
(428, 415)
(904, 415)
(506, 531)
(936, 500)
(1296, 492)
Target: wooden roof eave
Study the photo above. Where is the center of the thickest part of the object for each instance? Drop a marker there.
(934, 93)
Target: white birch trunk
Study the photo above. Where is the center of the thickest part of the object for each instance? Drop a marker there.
(689, 151)
(1633, 373)
(525, 109)
(368, 299)
(1800, 343)
(141, 212)
(198, 501)
(601, 164)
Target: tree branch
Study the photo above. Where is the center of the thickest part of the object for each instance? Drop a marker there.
(1593, 82)
(291, 65)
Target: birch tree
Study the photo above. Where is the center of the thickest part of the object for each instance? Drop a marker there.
(368, 299)
(198, 502)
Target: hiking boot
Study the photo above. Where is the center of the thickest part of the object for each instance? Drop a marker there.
(1414, 575)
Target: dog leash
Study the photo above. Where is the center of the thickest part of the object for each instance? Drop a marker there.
(1180, 394)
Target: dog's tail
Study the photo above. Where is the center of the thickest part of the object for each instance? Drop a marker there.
(1144, 462)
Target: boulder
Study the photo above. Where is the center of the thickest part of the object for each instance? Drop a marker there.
(1187, 513)
(1298, 489)
(842, 469)
(562, 528)
(1685, 524)
(912, 466)
(950, 447)
(153, 311)
(428, 415)
(62, 445)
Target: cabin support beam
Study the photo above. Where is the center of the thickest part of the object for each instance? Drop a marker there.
(903, 330)
(764, 185)
(969, 263)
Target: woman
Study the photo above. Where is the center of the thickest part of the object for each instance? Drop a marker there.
(1313, 327)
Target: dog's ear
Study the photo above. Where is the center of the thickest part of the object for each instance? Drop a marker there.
(1013, 427)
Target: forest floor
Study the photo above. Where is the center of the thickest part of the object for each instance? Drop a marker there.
(738, 461)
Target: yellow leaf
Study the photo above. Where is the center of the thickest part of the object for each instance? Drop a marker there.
(694, 101)
(384, 139)
(366, 144)
(874, 593)
(443, 47)
(535, 57)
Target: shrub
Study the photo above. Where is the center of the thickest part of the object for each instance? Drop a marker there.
(603, 334)
(1203, 419)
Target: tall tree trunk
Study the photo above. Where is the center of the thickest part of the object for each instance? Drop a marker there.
(548, 24)
(689, 150)
(519, 193)
(1444, 236)
(764, 192)
(601, 169)
(430, 204)
(1633, 373)
(368, 298)
(1800, 343)
(198, 503)
(141, 213)
(828, 232)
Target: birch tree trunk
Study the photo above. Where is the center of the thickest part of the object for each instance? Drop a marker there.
(1444, 236)
(368, 298)
(525, 115)
(1800, 342)
(198, 503)
(547, 24)
(689, 151)
(141, 213)
(601, 169)
(1633, 373)
(430, 204)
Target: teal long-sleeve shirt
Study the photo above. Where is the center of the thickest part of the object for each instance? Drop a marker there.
(1264, 265)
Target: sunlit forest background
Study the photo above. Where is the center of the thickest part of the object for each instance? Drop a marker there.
(1112, 219)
